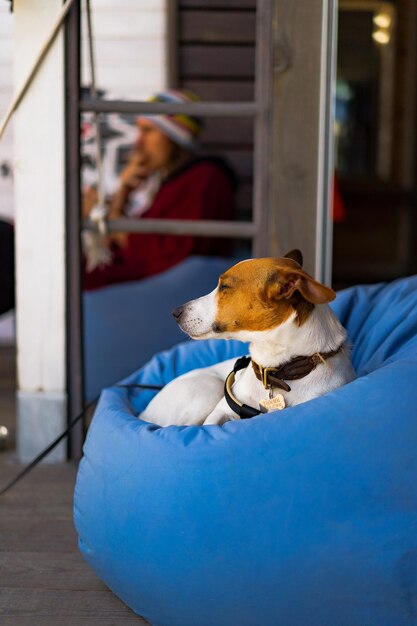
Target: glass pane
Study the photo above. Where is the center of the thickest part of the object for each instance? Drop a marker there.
(364, 89)
(375, 132)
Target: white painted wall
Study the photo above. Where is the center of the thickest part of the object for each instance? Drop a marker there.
(130, 48)
(39, 187)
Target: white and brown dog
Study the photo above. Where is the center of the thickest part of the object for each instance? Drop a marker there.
(297, 345)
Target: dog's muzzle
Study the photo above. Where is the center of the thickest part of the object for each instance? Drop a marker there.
(177, 312)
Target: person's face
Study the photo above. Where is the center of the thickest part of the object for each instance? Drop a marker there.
(155, 148)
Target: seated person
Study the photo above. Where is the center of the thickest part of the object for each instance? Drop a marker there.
(165, 179)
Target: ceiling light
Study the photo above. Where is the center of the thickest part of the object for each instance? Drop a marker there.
(381, 36)
(383, 20)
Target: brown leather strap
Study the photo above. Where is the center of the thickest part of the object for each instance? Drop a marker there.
(298, 367)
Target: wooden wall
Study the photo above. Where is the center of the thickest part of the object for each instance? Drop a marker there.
(215, 42)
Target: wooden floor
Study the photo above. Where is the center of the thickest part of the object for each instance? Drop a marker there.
(43, 578)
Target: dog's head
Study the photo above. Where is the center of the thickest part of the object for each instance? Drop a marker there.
(252, 296)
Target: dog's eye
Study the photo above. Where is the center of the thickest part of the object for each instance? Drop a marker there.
(223, 287)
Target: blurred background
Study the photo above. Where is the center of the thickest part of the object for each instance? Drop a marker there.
(209, 46)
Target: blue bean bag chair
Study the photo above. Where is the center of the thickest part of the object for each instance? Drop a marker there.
(305, 517)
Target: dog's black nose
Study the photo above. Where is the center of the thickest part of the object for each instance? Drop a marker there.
(178, 312)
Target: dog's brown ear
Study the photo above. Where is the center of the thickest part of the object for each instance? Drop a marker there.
(295, 255)
(285, 282)
(310, 289)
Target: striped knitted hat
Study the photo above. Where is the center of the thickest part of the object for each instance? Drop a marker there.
(181, 129)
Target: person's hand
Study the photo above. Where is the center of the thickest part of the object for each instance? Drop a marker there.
(88, 200)
(135, 171)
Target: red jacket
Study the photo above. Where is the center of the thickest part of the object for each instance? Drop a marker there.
(203, 189)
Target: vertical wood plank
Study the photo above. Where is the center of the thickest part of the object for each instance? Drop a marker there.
(302, 131)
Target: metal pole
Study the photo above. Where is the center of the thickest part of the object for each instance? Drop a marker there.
(324, 233)
(74, 334)
(197, 228)
(209, 109)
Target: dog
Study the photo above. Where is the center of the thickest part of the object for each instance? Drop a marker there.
(298, 348)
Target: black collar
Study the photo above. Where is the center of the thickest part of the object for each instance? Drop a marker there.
(298, 367)
(243, 410)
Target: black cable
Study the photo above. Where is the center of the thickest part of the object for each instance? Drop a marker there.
(62, 436)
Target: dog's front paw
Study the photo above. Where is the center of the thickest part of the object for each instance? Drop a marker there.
(220, 414)
(218, 419)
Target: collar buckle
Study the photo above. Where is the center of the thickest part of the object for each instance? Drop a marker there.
(265, 373)
(317, 358)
